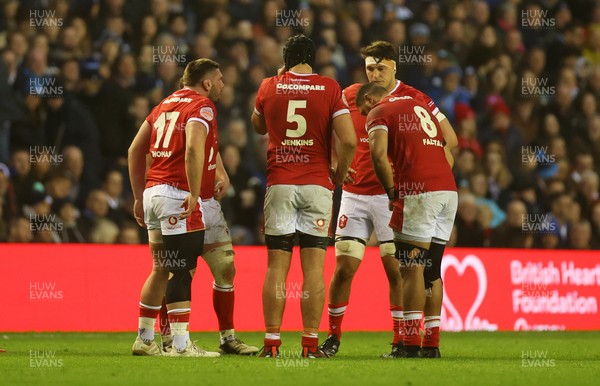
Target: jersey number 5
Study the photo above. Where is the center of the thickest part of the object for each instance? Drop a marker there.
(160, 123)
(293, 117)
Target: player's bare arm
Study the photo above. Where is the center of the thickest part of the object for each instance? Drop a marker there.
(378, 144)
(221, 179)
(259, 124)
(195, 133)
(450, 138)
(344, 131)
(137, 168)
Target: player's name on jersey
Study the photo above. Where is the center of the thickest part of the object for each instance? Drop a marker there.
(161, 153)
(432, 141)
(297, 142)
(307, 87)
(178, 100)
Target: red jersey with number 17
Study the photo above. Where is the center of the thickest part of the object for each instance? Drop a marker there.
(365, 180)
(415, 145)
(167, 141)
(298, 111)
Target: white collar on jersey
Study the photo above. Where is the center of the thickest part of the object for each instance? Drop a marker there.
(295, 73)
(396, 86)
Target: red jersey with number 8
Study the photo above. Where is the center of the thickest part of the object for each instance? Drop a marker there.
(365, 180)
(167, 141)
(415, 145)
(298, 110)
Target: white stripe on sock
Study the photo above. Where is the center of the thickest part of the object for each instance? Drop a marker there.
(179, 311)
(223, 287)
(337, 311)
(150, 307)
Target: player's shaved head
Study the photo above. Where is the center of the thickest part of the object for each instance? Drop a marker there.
(299, 49)
(196, 70)
(369, 89)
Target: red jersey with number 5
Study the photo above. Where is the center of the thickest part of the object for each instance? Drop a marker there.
(167, 141)
(298, 111)
(415, 145)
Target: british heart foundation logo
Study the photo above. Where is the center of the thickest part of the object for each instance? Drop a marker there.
(459, 310)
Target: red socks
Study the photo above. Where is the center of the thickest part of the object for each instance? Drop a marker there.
(412, 328)
(223, 301)
(336, 314)
(398, 322)
(432, 332)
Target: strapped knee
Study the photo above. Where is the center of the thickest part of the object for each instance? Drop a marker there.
(283, 242)
(350, 246)
(387, 248)
(220, 262)
(310, 241)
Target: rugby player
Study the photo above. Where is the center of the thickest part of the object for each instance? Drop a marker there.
(167, 202)
(423, 195)
(364, 205)
(300, 111)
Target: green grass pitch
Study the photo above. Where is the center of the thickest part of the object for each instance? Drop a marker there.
(470, 358)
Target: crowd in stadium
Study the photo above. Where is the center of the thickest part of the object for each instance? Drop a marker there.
(518, 80)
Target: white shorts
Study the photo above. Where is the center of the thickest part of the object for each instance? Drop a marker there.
(217, 230)
(298, 208)
(421, 217)
(162, 209)
(361, 214)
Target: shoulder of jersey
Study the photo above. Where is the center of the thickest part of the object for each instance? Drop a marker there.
(349, 93)
(406, 89)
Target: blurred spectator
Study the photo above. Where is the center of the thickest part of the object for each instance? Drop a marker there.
(511, 233)
(469, 230)
(244, 199)
(478, 185)
(581, 235)
(129, 234)
(19, 231)
(94, 223)
(68, 215)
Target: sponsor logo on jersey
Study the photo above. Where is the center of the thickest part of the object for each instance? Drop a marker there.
(308, 87)
(364, 139)
(320, 224)
(400, 98)
(343, 221)
(161, 153)
(207, 113)
(172, 220)
(297, 142)
(212, 166)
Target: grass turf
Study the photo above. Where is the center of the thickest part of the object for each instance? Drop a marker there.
(470, 358)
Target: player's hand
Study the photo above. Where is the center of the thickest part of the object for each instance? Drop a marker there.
(221, 188)
(337, 177)
(189, 204)
(350, 176)
(391, 205)
(138, 213)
